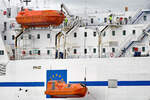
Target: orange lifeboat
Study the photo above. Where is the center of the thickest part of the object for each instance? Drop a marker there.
(39, 18)
(59, 89)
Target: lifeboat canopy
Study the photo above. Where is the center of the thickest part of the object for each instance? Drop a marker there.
(59, 89)
(39, 18)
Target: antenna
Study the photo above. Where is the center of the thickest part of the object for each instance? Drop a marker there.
(85, 11)
(36, 3)
(44, 3)
(85, 76)
(50, 73)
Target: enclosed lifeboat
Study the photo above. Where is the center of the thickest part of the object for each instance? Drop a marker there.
(39, 18)
(59, 89)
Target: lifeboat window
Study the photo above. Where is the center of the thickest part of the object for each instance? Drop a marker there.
(30, 9)
(69, 85)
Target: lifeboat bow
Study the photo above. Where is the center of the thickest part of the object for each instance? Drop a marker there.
(59, 89)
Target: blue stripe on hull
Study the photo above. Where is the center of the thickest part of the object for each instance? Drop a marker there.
(88, 83)
(21, 84)
(120, 83)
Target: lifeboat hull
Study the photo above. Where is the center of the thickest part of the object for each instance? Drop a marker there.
(58, 89)
(43, 18)
(68, 94)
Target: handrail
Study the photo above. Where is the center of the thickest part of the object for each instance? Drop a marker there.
(137, 15)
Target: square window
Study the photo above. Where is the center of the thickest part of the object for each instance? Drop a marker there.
(13, 37)
(112, 83)
(5, 37)
(124, 32)
(143, 49)
(113, 33)
(144, 18)
(22, 37)
(75, 51)
(134, 32)
(48, 35)
(38, 36)
(105, 20)
(85, 34)
(92, 20)
(113, 50)
(1, 52)
(133, 49)
(75, 35)
(30, 52)
(39, 52)
(5, 25)
(85, 51)
(48, 52)
(104, 50)
(29, 36)
(104, 34)
(94, 50)
(94, 34)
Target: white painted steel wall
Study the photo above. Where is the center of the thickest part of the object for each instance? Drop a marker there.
(121, 69)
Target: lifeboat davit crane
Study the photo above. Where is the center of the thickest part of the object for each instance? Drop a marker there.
(59, 89)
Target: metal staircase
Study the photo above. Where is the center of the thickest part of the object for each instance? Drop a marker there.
(72, 26)
(130, 42)
(137, 16)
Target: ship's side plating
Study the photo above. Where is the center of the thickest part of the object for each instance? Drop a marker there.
(124, 78)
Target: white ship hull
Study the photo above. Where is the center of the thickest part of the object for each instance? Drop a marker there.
(26, 79)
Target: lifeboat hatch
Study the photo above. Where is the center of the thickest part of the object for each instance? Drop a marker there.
(59, 89)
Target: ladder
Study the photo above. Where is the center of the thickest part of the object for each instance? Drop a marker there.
(137, 16)
(130, 43)
(2, 70)
(73, 25)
